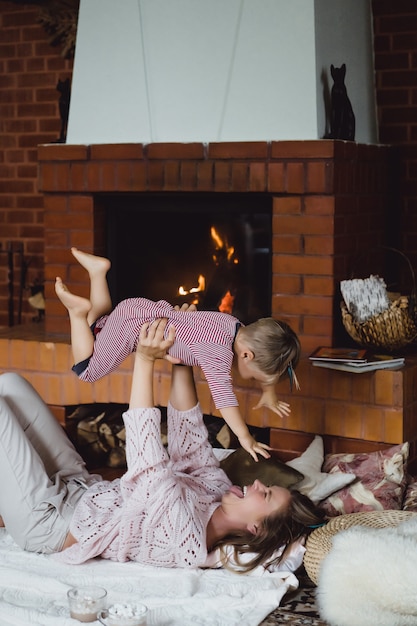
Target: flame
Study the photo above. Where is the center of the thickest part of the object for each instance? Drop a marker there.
(223, 250)
(223, 255)
(201, 287)
(227, 302)
(216, 237)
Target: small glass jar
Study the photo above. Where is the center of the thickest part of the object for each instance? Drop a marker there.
(86, 602)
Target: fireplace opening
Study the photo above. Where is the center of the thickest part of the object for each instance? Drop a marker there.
(211, 249)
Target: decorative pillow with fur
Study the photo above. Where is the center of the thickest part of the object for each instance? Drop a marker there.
(369, 577)
(242, 470)
(381, 480)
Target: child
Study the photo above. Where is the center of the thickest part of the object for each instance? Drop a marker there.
(264, 351)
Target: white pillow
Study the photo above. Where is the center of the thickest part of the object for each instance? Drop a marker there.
(317, 485)
(222, 453)
(291, 562)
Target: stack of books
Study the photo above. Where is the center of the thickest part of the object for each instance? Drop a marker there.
(355, 360)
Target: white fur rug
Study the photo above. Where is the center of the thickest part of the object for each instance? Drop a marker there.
(369, 577)
(33, 590)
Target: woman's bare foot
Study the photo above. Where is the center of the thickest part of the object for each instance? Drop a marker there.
(94, 265)
(76, 305)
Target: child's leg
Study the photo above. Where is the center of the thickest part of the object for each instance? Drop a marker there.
(82, 340)
(97, 268)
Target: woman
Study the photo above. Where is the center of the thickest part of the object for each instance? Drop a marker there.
(170, 509)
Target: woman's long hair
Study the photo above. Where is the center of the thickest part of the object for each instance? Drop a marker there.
(275, 535)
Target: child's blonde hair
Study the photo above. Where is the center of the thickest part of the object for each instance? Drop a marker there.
(275, 346)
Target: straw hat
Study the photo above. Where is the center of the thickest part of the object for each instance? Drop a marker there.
(319, 542)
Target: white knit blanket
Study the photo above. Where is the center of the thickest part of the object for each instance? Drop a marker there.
(33, 590)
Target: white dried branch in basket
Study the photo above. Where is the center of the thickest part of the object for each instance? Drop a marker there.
(365, 297)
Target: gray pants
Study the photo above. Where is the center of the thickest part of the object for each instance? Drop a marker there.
(42, 475)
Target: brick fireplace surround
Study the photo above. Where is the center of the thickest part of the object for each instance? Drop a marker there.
(329, 201)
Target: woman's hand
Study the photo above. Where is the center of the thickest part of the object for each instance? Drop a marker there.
(151, 346)
(184, 307)
(151, 343)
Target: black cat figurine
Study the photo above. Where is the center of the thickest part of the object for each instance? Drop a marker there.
(342, 123)
(63, 86)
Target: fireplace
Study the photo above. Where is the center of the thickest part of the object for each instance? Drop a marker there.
(212, 250)
(325, 202)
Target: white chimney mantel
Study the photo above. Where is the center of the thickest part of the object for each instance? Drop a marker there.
(217, 70)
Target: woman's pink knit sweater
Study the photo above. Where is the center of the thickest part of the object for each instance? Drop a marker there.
(157, 513)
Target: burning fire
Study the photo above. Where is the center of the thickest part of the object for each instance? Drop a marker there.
(201, 287)
(223, 252)
(227, 302)
(223, 255)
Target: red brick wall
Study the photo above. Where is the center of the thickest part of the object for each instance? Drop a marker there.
(29, 115)
(30, 69)
(328, 203)
(381, 409)
(395, 30)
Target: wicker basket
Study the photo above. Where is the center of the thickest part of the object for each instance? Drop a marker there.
(319, 543)
(391, 330)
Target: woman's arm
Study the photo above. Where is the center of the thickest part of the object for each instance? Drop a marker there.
(146, 457)
(151, 346)
(183, 394)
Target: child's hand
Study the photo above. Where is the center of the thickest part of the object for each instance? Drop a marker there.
(270, 401)
(252, 446)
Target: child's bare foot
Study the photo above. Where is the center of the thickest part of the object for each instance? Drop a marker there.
(76, 305)
(92, 263)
